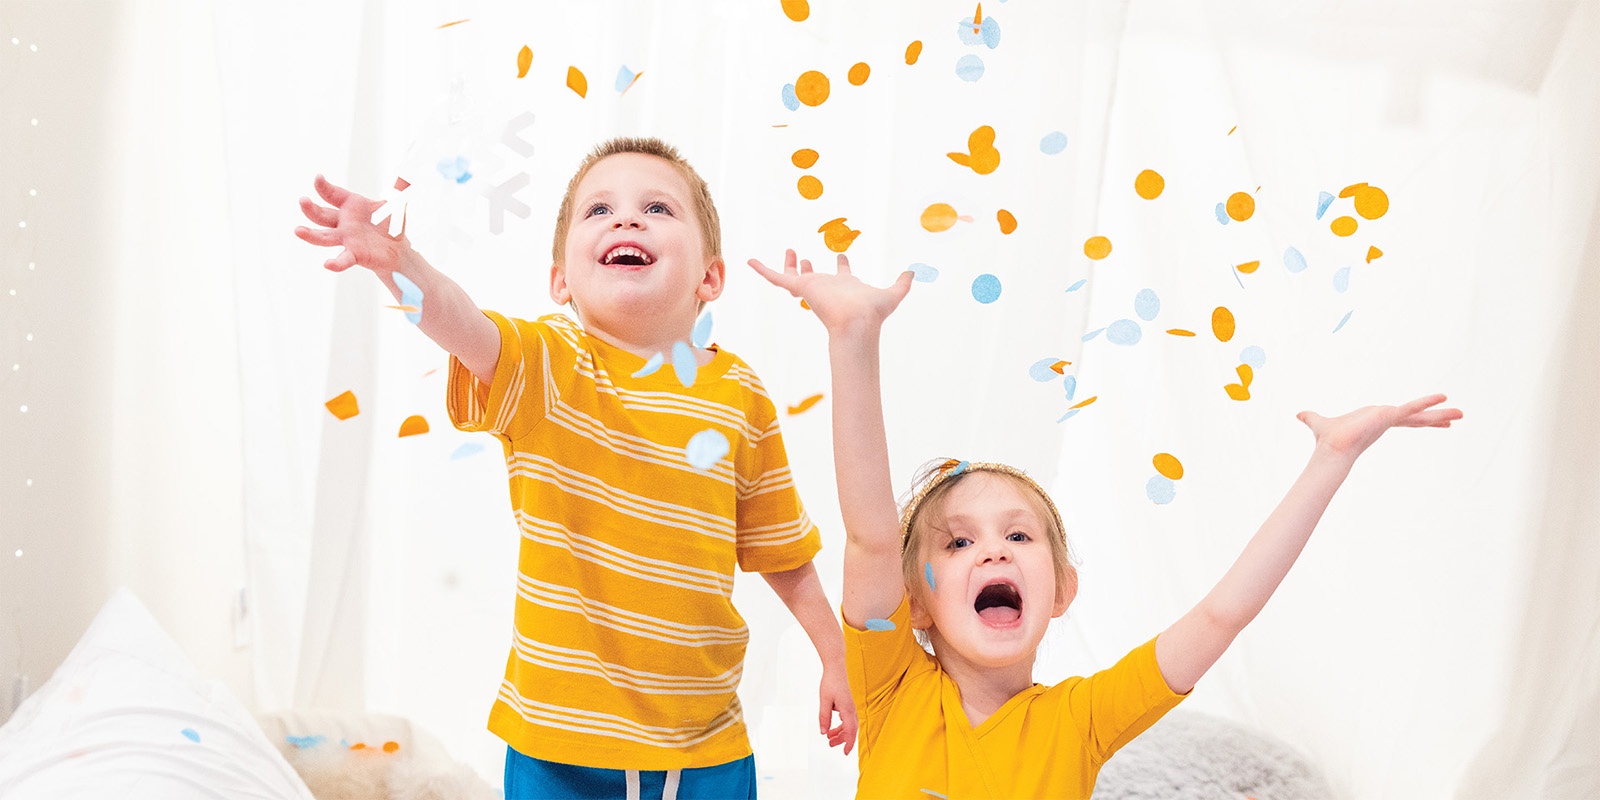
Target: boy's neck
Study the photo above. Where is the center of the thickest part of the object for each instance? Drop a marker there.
(644, 343)
(984, 689)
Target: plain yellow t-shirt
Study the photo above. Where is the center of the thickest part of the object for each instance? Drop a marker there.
(1046, 742)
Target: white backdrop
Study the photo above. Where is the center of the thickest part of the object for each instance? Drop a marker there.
(1441, 637)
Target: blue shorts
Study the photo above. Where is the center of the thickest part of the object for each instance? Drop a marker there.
(529, 778)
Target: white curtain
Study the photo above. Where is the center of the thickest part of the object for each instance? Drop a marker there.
(1441, 635)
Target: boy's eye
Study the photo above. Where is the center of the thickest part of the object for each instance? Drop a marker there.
(597, 208)
(657, 208)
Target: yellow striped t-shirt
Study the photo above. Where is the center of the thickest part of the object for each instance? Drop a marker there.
(627, 648)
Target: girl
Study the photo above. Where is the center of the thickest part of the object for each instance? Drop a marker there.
(984, 566)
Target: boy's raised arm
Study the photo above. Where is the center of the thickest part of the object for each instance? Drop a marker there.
(1187, 650)
(449, 317)
(853, 313)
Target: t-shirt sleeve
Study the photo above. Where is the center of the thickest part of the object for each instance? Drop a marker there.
(775, 534)
(877, 661)
(519, 395)
(1114, 705)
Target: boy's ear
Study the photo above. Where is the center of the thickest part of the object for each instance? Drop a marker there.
(1066, 592)
(558, 285)
(711, 285)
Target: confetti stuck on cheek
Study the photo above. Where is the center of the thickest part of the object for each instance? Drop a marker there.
(812, 88)
(927, 572)
(344, 406)
(413, 425)
(986, 288)
(938, 217)
(577, 82)
(1149, 184)
(804, 404)
(684, 363)
(705, 449)
(1052, 143)
(651, 366)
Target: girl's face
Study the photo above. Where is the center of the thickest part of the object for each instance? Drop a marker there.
(994, 588)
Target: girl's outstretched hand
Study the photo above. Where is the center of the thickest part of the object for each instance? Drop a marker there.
(348, 224)
(1350, 434)
(841, 299)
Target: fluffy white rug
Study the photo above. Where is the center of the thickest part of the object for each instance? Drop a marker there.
(1194, 756)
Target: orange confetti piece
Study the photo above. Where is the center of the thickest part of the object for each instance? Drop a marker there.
(805, 305)
(457, 22)
(1370, 201)
(805, 404)
(1343, 226)
(810, 188)
(413, 426)
(837, 235)
(525, 60)
(1222, 323)
(1372, 253)
(1086, 402)
(977, 19)
(576, 82)
(804, 158)
(1246, 374)
(1232, 129)
(1149, 184)
(343, 406)
(1237, 392)
(858, 73)
(390, 747)
(982, 156)
(938, 217)
(636, 77)
(963, 218)
(1179, 332)
(430, 372)
(1241, 206)
(797, 10)
(1168, 465)
(1060, 367)
(913, 51)
(1097, 247)
(407, 309)
(1248, 267)
(812, 88)
(1008, 223)
(359, 746)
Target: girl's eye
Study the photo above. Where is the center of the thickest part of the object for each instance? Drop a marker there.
(959, 542)
(1017, 536)
(657, 208)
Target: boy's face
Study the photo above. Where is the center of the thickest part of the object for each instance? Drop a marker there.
(994, 580)
(635, 263)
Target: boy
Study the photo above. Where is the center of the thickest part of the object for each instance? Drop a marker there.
(627, 647)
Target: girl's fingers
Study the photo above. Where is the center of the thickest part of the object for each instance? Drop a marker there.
(844, 264)
(322, 215)
(341, 262)
(333, 194)
(805, 267)
(320, 237)
(774, 278)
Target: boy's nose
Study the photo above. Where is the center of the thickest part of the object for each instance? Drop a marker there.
(621, 221)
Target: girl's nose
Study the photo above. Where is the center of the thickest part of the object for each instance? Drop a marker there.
(995, 551)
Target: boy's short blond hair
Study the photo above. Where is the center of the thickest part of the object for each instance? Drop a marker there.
(705, 210)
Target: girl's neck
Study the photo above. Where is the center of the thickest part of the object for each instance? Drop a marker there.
(984, 689)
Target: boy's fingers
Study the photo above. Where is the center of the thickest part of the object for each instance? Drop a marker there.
(326, 217)
(321, 237)
(805, 267)
(333, 194)
(341, 262)
(788, 260)
(844, 264)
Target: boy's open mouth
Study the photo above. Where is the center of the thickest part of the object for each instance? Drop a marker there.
(999, 603)
(627, 255)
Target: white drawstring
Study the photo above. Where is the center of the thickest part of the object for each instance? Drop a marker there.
(670, 790)
(633, 783)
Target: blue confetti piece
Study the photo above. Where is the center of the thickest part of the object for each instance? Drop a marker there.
(1323, 201)
(986, 288)
(701, 335)
(1254, 356)
(969, 68)
(1146, 304)
(410, 295)
(988, 32)
(1236, 278)
(1043, 369)
(1053, 142)
(454, 169)
(879, 625)
(705, 449)
(467, 449)
(927, 572)
(1093, 333)
(651, 366)
(1343, 321)
(684, 363)
(958, 469)
(1160, 490)
(1341, 279)
(1070, 384)
(1222, 213)
(1071, 412)
(304, 742)
(190, 734)
(1125, 332)
(791, 100)
(1293, 261)
(1079, 285)
(624, 78)
(922, 273)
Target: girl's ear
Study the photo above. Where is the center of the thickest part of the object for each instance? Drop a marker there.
(1066, 592)
(920, 618)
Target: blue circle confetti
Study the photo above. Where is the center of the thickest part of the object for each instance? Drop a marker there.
(1294, 261)
(879, 625)
(1146, 304)
(1043, 369)
(1161, 489)
(1053, 142)
(791, 100)
(988, 32)
(922, 273)
(986, 288)
(1254, 356)
(969, 68)
(1125, 332)
(706, 448)
(1341, 280)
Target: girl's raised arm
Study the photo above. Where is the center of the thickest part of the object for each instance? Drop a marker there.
(853, 313)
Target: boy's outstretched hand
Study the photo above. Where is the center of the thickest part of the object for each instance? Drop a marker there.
(1350, 434)
(348, 224)
(839, 299)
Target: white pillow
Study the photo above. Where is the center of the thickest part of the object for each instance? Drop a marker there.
(125, 716)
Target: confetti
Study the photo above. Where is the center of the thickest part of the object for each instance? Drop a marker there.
(978, 29)
(1222, 213)
(1343, 321)
(986, 288)
(1088, 402)
(1077, 284)
(701, 335)
(454, 169)
(1323, 201)
(625, 79)
(1179, 332)
(413, 425)
(1241, 206)
(1222, 323)
(1124, 332)
(343, 406)
(303, 742)
(922, 273)
(790, 100)
(858, 73)
(651, 366)
(390, 747)
(1160, 490)
(927, 572)
(401, 184)
(684, 363)
(524, 61)
(457, 22)
(1372, 253)
(804, 404)
(809, 187)
(1008, 223)
(1237, 392)
(804, 158)
(1071, 412)
(705, 449)
(1093, 333)
(1060, 367)
(982, 157)
(1052, 143)
(1343, 226)
(465, 450)
(1341, 279)
(576, 82)
(1370, 201)
(1248, 267)
(913, 52)
(1253, 356)
(1148, 184)
(837, 235)
(1045, 369)
(1069, 384)
(879, 625)
(1097, 247)
(410, 295)
(969, 68)
(190, 734)
(1146, 304)
(797, 10)
(812, 88)
(938, 217)
(1168, 465)
(1294, 261)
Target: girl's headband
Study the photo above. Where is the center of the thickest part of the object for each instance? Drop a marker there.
(952, 468)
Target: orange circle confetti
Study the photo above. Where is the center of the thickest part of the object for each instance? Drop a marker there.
(1149, 184)
(810, 188)
(1097, 247)
(858, 73)
(837, 235)
(913, 51)
(390, 747)
(1222, 324)
(811, 88)
(938, 217)
(1370, 201)
(804, 158)
(797, 10)
(1343, 226)
(1168, 465)
(1008, 223)
(1241, 206)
